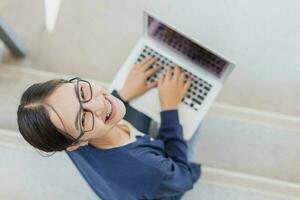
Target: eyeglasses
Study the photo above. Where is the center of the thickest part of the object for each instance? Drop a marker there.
(84, 93)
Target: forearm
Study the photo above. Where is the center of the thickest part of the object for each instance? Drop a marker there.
(172, 134)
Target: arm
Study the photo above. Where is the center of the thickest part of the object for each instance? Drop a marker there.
(171, 133)
(173, 174)
(167, 170)
(177, 173)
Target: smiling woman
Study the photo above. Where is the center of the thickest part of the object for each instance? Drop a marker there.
(67, 115)
(106, 138)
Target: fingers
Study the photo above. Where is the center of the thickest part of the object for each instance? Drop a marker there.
(151, 85)
(145, 64)
(176, 75)
(185, 81)
(168, 74)
(145, 61)
(182, 78)
(151, 71)
(188, 83)
(161, 80)
(177, 72)
(179, 77)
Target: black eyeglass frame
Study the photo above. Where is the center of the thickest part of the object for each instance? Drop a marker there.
(81, 109)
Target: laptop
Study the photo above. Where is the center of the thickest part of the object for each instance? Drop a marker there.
(172, 48)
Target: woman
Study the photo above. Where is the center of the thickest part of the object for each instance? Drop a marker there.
(117, 160)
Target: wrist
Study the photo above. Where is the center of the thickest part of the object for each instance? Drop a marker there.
(123, 95)
(170, 107)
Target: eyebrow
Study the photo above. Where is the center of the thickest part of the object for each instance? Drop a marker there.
(77, 115)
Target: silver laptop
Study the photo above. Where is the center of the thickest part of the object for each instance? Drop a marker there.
(171, 47)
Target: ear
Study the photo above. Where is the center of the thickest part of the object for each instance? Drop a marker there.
(77, 146)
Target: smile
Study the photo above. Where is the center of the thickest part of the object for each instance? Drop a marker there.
(109, 110)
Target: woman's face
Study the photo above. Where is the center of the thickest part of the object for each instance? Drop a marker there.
(66, 105)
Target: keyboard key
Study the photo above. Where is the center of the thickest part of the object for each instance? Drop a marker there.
(196, 92)
(200, 97)
(195, 100)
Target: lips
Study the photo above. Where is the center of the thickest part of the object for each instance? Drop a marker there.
(111, 110)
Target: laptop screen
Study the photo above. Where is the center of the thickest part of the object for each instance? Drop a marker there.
(187, 48)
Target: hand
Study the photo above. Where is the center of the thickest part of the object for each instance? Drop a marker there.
(135, 84)
(172, 88)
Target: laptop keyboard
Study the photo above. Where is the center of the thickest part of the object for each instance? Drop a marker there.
(199, 88)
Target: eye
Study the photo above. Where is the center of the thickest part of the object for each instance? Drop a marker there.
(82, 93)
(83, 119)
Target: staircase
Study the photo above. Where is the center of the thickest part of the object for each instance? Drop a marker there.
(246, 154)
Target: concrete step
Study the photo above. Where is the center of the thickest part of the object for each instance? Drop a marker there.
(238, 140)
(211, 191)
(2, 49)
(28, 175)
(250, 148)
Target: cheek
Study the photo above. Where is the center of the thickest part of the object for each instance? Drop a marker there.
(100, 129)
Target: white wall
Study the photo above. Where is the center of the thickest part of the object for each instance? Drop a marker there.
(93, 38)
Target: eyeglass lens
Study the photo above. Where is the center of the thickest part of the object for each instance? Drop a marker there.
(85, 94)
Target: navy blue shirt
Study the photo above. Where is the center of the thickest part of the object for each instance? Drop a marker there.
(144, 169)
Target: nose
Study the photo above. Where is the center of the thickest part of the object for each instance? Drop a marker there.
(97, 105)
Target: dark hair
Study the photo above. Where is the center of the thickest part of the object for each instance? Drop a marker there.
(34, 121)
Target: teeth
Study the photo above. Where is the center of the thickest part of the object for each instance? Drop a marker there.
(109, 111)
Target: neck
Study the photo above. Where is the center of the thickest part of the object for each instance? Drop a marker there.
(115, 137)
